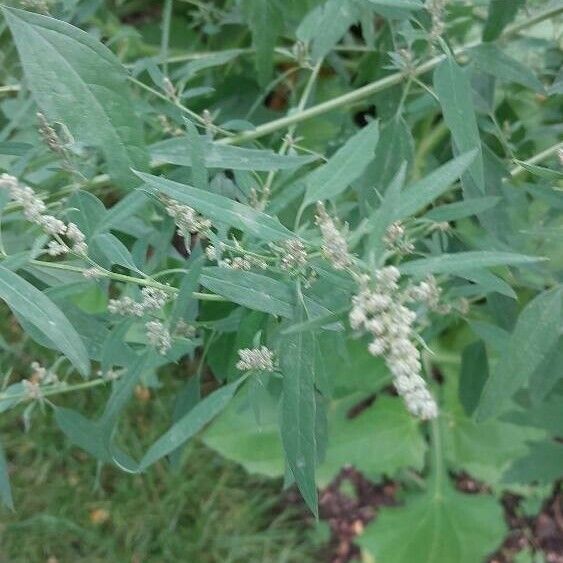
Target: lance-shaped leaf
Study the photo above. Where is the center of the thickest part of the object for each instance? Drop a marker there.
(180, 151)
(536, 332)
(251, 290)
(220, 209)
(425, 191)
(490, 59)
(191, 423)
(345, 166)
(454, 91)
(5, 489)
(77, 81)
(298, 410)
(465, 261)
(37, 309)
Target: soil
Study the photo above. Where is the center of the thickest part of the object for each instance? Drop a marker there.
(351, 501)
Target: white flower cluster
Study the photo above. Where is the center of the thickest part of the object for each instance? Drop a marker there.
(34, 211)
(437, 9)
(40, 376)
(294, 257)
(244, 262)
(187, 219)
(334, 245)
(382, 313)
(159, 336)
(395, 239)
(261, 359)
(153, 299)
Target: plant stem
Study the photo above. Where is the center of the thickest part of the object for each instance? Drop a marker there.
(300, 107)
(378, 85)
(57, 390)
(166, 17)
(438, 468)
(127, 279)
(519, 169)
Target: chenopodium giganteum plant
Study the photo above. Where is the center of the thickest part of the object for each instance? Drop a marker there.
(395, 235)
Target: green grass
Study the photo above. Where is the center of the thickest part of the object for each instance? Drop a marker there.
(208, 510)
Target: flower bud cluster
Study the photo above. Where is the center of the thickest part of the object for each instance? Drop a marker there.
(159, 336)
(50, 136)
(244, 262)
(395, 239)
(261, 359)
(34, 211)
(294, 255)
(153, 300)
(187, 219)
(436, 9)
(334, 245)
(381, 312)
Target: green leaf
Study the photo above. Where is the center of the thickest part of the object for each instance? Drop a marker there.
(264, 19)
(468, 261)
(454, 92)
(474, 373)
(188, 285)
(179, 150)
(405, 4)
(95, 436)
(250, 290)
(536, 331)
(297, 363)
(540, 171)
(385, 214)
(382, 439)
(436, 526)
(501, 13)
(490, 59)
(220, 209)
(5, 489)
(87, 211)
(326, 24)
(114, 250)
(200, 177)
(395, 146)
(462, 209)
(37, 309)
(425, 191)
(541, 465)
(77, 81)
(191, 423)
(548, 373)
(345, 166)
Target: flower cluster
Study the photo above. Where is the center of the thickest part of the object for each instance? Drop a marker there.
(436, 9)
(334, 245)
(159, 336)
(395, 239)
(244, 262)
(261, 359)
(187, 219)
(34, 211)
(382, 312)
(294, 257)
(153, 299)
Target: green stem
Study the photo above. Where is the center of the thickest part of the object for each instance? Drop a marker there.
(56, 390)
(166, 18)
(518, 169)
(438, 466)
(300, 107)
(127, 279)
(378, 85)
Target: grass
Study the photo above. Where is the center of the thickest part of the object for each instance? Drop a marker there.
(208, 510)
